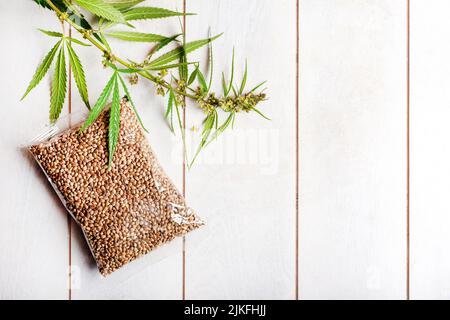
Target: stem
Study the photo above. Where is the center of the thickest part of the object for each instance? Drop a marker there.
(87, 36)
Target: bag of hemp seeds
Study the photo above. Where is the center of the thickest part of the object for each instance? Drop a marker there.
(124, 211)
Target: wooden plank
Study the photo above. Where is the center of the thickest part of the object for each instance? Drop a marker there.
(430, 151)
(244, 183)
(33, 228)
(353, 149)
(159, 275)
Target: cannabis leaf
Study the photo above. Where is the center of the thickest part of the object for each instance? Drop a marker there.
(51, 33)
(258, 86)
(101, 102)
(125, 89)
(169, 66)
(208, 124)
(260, 113)
(169, 110)
(42, 69)
(114, 122)
(222, 128)
(43, 3)
(161, 45)
(244, 79)
(123, 4)
(193, 76)
(78, 74)
(227, 88)
(141, 13)
(136, 36)
(60, 35)
(59, 86)
(202, 81)
(183, 68)
(177, 53)
(101, 9)
(78, 42)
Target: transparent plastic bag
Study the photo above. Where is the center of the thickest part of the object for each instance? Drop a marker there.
(125, 211)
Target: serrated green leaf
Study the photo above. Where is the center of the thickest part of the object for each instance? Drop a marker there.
(141, 13)
(163, 43)
(136, 36)
(74, 14)
(244, 79)
(227, 87)
(169, 110)
(224, 85)
(60, 35)
(208, 124)
(103, 40)
(101, 9)
(202, 81)
(57, 3)
(260, 113)
(51, 33)
(114, 122)
(232, 75)
(59, 86)
(127, 93)
(178, 52)
(258, 86)
(77, 17)
(78, 41)
(123, 4)
(222, 128)
(211, 65)
(234, 91)
(42, 69)
(193, 76)
(183, 68)
(100, 104)
(169, 66)
(78, 74)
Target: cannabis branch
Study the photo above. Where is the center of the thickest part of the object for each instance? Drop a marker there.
(187, 83)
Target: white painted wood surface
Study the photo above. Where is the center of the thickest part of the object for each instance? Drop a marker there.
(430, 150)
(248, 193)
(353, 158)
(353, 149)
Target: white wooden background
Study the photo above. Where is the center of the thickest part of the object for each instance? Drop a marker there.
(360, 105)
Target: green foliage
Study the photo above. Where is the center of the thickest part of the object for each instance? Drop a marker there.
(192, 86)
(101, 9)
(169, 110)
(114, 122)
(78, 74)
(42, 69)
(101, 102)
(127, 93)
(136, 36)
(177, 53)
(141, 13)
(123, 4)
(59, 86)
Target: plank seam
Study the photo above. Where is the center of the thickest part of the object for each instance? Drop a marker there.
(297, 166)
(69, 218)
(408, 150)
(184, 168)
